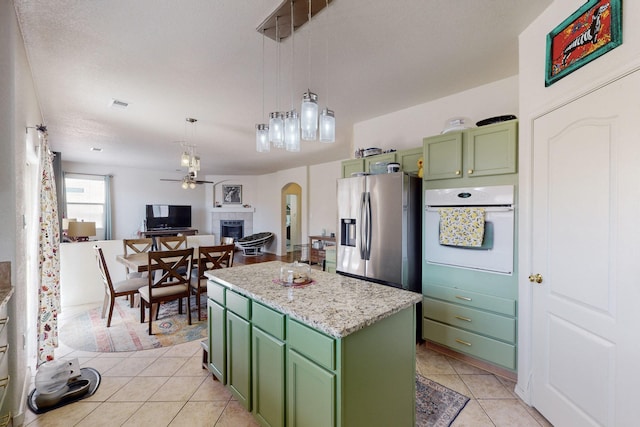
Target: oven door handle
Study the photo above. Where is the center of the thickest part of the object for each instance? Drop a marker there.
(486, 208)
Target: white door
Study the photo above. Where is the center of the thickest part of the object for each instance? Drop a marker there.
(586, 248)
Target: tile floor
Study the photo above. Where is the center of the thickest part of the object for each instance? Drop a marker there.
(168, 387)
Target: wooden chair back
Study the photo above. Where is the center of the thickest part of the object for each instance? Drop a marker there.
(169, 268)
(137, 246)
(104, 270)
(213, 257)
(171, 243)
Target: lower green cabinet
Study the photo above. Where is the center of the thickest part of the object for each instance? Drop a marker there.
(311, 393)
(268, 368)
(239, 358)
(217, 345)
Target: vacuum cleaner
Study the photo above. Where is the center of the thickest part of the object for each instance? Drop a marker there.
(60, 382)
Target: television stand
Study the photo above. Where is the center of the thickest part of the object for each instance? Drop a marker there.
(161, 232)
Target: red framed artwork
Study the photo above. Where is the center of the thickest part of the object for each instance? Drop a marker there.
(588, 33)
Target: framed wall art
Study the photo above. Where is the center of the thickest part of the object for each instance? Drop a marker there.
(588, 33)
(232, 194)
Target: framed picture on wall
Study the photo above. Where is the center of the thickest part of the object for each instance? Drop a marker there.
(232, 194)
(588, 33)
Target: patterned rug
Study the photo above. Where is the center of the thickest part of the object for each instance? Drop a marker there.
(88, 331)
(436, 405)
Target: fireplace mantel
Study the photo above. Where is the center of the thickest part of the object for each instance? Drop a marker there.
(233, 209)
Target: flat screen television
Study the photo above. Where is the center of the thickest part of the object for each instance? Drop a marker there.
(168, 216)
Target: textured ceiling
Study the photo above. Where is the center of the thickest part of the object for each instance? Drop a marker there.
(203, 59)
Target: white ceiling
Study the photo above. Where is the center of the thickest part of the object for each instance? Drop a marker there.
(203, 59)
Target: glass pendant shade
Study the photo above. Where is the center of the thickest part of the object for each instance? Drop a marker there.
(184, 159)
(262, 138)
(309, 116)
(292, 131)
(276, 129)
(327, 126)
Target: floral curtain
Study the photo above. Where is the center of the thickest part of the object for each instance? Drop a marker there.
(48, 255)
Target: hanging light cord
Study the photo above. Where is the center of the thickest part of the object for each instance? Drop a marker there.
(292, 50)
(326, 73)
(277, 65)
(262, 73)
(309, 44)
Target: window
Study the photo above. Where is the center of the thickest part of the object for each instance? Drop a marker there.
(86, 199)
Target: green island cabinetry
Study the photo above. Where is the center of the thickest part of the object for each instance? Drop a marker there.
(470, 311)
(299, 373)
(408, 160)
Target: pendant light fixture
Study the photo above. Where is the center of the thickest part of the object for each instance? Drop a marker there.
(262, 129)
(309, 107)
(327, 117)
(276, 122)
(292, 122)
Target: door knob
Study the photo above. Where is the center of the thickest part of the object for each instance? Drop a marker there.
(535, 278)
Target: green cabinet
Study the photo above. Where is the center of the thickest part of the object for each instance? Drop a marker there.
(217, 340)
(268, 365)
(352, 166)
(372, 160)
(239, 358)
(408, 159)
(311, 395)
(483, 151)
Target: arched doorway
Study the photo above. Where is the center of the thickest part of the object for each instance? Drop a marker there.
(291, 218)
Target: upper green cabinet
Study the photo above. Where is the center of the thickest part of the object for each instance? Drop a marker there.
(352, 166)
(482, 151)
(408, 159)
(372, 160)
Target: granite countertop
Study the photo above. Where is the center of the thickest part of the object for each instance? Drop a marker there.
(334, 304)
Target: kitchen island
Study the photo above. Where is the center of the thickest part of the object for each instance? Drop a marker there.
(336, 352)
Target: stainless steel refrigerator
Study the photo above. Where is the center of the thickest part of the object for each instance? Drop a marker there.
(379, 229)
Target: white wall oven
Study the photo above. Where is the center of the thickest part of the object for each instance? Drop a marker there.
(471, 228)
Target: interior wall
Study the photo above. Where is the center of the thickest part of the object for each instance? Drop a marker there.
(18, 110)
(535, 100)
(132, 189)
(323, 207)
(405, 129)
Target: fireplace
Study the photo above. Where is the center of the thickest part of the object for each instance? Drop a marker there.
(232, 228)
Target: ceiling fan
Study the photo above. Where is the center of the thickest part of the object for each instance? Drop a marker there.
(189, 180)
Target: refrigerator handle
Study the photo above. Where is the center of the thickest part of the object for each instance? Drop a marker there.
(367, 226)
(362, 237)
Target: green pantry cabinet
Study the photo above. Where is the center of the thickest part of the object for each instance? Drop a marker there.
(472, 312)
(408, 160)
(287, 373)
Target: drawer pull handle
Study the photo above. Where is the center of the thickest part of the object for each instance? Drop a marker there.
(463, 298)
(463, 342)
(466, 319)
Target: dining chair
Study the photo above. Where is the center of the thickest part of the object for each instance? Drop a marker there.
(168, 280)
(171, 243)
(127, 287)
(136, 246)
(209, 258)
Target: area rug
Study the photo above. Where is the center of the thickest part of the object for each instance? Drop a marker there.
(88, 331)
(436, 405)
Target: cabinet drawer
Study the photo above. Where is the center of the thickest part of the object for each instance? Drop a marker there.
(239, 304)
(215, 292)
(472, 299)
(311, 343)
(493, 325)
(485, 348)
(270, 321)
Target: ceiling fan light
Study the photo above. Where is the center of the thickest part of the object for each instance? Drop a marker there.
(292, 131)
(185, 184)
(262, 138)
(309, 116)
(327, 126)
(192, 185)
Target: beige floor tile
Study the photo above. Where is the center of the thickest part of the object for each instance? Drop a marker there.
(139, 389)
(110, 414)
(102, 364)
(176, 389)
(486, 386)
(429, 362)
(187, 349)
(164, 366)
(453, 382)
(199, 414)
(108, 386)
(472, 416)
(235, 415)
(130, 367)
(154, 414)
(119, 354)
(65, 416)
(193, 368)
(464, 368)
(537, 416)
(152, 352)
(211, 391)
(508, 413)
(509, 385)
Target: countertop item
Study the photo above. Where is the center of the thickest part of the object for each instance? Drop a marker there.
(334, 304)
